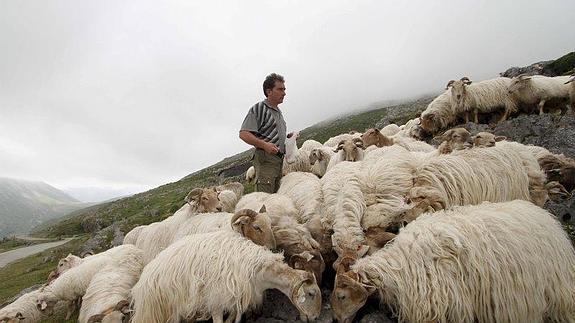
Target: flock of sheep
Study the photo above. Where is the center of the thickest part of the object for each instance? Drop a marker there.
(453, 233)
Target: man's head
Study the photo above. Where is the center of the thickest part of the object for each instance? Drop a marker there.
(274, 88)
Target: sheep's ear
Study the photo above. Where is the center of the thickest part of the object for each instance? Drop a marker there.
(500, 138)
(465, 80)
(19, 316)
(362, 250)
(358, 142)
(96, 318)
(449, 84)
(263, 209)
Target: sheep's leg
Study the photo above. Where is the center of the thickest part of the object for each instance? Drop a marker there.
(466, 116)
(476, 115)
(504, 116)
(541, 104)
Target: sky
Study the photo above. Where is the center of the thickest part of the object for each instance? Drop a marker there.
(128, 95)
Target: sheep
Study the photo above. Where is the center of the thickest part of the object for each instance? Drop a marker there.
(22, 310)
(217, 273)
(390, 130)
(538, 89)
(74, 282)
(255, 226)
(485, 96)
(251, 175)
(292, 237)
(374, 137)
(132, 236)
(236, 187)
(471, 176)
(347, 150)
(106, 298)
(310, 144)
(438, 114)
(229, 199)
(156, 236)
(319, 159)
(304, 189)
(572, 92)
(494, 262)
(454, 139)
(64, 265)
(486, 139)
(336, 140)
(296, 160)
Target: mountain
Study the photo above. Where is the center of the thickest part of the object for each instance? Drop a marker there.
(25, 204)
(97, 194)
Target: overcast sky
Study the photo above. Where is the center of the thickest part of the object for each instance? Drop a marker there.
(130, 95)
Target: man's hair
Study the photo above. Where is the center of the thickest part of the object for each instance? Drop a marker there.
(271, 81)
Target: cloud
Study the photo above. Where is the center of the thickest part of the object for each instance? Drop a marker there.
(137, 94)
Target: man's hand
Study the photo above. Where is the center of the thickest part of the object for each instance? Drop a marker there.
(270, 148)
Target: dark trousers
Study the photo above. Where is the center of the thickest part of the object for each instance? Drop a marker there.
(268, 171)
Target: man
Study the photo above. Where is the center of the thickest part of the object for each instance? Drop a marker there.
(265, 129)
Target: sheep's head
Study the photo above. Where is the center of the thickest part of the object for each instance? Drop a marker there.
(428, 122)
(255, 226)
(310, 261)
(377, 237)
(114, 314)
(66, 263)
(45, 303)
(518, 83)
(456, 138)
(458, 90)
(348, 255)
(16, 318)
(375, 137)
(317, 154)
(349, 294)
(291, 147)
(306, 295)
(486, 139)
(206, 200)
(352, 149)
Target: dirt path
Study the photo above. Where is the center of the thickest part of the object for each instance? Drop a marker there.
(13, 255)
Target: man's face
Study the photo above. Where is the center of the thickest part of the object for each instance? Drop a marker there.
(276, 95)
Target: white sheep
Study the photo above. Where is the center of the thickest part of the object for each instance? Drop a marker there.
(251, 175)
(22, 310)
(304, 189)
(74, 282)
(485, 96)
(390, 130)
(310, 144)
(538, 89)
(107, 297)
(296, 160)
(347, 150)
(472, 176)
(155, 237)
(334, 141)
(438, 114)
(132, 236)
(209, 275)
(229, 199)
(277, 205)
(572, 92)
(255, 226)
(494, 262)
(319, 159)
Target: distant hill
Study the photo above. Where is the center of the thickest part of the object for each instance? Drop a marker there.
(26, 204)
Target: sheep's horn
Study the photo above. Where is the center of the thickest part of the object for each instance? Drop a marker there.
(450, 83)
(244, 212)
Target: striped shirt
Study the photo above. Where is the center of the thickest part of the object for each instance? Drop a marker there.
(266, 123)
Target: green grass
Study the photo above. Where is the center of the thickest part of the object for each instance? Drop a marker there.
(34, 269)
(563, 65)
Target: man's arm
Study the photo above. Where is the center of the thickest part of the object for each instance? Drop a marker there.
(250, 139)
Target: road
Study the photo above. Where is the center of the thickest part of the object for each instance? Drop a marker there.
(16, 254)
